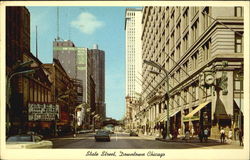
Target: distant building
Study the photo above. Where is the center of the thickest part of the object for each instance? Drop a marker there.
(74, 61)
(133, 30)
(97, 69)
(87, 67)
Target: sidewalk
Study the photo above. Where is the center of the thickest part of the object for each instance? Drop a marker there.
(194, 139)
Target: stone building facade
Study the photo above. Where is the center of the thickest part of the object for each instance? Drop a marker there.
(201, 48)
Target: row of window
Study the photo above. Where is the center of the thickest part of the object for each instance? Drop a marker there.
(37, 93)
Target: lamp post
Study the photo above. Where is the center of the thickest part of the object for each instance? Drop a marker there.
(75, 115)
(15, 71)
(166, 96)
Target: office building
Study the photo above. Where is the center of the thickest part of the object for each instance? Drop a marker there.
(201, 50)
(133, 61)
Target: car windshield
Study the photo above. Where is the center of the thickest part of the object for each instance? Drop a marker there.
(24, 138)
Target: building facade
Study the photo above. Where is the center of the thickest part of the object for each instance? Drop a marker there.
(201, 50)
(64, 93)
(133, 60)
(74, 62)
(97, 72)
(28, 87)
(87, 67)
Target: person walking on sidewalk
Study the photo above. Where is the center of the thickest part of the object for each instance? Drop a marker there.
(200, 134)
(230, 135)
(222, 135)
(187, 136)
(241, 137)
(205, 135)
(192, 132)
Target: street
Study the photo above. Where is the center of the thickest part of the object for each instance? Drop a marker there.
(124, 141)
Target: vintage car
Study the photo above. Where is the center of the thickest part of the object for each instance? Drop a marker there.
(27, 141)
(133, 133)
(102, 135)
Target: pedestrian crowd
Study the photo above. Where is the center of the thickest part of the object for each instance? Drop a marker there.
(203, 135)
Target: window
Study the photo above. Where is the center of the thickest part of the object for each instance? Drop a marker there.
(195, 30)
(195, 61)
(178, 30)
(206, 18)
(238, 42)
(186, 19)
(195, 10)
(178, 52)
(31, 91)
(185, 43)
(185, 96)
(206, 50)
(238, 11)
(193, 92)
(185, 69)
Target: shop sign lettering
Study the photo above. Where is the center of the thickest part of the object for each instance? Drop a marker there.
(43, 112)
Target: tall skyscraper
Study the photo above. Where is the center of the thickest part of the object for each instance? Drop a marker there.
(97, 62)
(133, 51)
(133, 30)
(87, 66)
(74, 61)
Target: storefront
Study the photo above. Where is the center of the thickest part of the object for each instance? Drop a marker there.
(200, 117)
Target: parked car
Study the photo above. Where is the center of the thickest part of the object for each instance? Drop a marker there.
(27, 141)
(133, 133)
(102, 135)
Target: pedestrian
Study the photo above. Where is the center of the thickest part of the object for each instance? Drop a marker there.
(179, 132)
(200, 134)
(241, 137)
(206, 134)
(164, 133)
(175, 133)
(230, 135)
(187, 135)
(192, 132)
(222, 135)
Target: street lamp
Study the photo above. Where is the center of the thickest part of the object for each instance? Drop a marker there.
(16, 70)
(166, 96)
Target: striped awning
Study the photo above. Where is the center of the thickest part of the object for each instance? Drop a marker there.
(164, 116)
(202, 105)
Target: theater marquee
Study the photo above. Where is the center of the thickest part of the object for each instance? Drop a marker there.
(43, 112)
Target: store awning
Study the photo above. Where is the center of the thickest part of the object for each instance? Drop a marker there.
(164, 116)
(174, 113)
(202, 105)
(240, 104)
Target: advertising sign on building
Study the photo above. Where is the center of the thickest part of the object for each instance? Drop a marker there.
(43, 112)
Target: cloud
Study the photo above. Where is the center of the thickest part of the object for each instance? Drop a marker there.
(87, 23)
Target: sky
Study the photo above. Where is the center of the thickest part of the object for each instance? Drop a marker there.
(86, 26)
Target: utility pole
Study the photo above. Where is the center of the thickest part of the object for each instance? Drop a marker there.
(36, 44)
(58, 23)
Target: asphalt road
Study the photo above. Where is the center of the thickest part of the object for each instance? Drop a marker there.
(124, 141)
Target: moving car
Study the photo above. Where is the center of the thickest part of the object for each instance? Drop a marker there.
(27, 141)
(102, 135)
(133, 133)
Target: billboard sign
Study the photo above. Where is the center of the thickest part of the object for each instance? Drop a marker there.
(43, 112)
